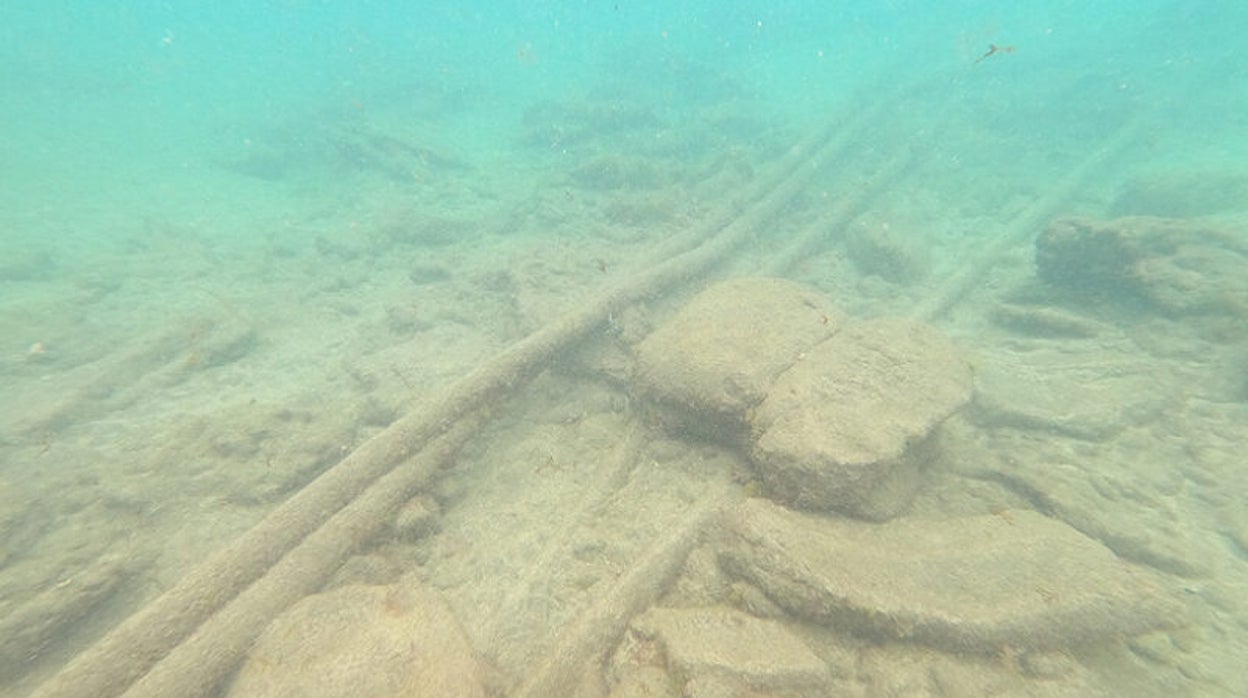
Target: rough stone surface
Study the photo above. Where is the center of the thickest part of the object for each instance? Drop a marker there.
(645, 682)
(375, 641)
(1105, 495)
(726, 643)
(846, 427)
(718, 355)
(1014, 580)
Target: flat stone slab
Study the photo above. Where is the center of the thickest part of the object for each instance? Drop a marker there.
(844, 428)
(1181, 267)
(1092, 395)
(373, 641)
(726, 643)
(1016, 579)
(719, 354)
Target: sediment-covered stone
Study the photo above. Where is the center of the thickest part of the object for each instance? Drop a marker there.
(1015, 579)
(725, 643)
(847, 427)
(374, 641)
(717, 357)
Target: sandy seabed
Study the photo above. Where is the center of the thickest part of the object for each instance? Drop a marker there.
(165, 389)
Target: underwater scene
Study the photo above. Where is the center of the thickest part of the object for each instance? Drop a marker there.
(600, 348)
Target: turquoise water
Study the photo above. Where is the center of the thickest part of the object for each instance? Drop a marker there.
(238, 240)
(96, 89)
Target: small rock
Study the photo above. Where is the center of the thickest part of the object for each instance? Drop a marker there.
(718, 642)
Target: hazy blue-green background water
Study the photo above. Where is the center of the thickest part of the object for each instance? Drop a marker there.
(244, 233)
(103, 96)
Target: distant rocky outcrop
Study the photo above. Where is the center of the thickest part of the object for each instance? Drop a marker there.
(1177, 267)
